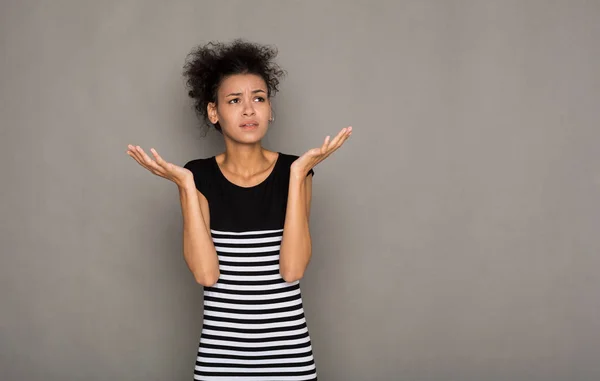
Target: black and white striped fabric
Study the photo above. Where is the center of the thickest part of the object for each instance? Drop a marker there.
(254, 326)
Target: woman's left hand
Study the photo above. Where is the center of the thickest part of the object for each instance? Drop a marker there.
(311, 158)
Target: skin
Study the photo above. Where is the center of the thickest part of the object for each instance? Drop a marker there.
(241, 99)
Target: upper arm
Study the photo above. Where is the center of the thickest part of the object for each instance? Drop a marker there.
(204, 209)
(197, 169)
(308, 187)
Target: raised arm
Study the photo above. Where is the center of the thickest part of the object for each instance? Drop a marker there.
(296, 245)
(198, 248)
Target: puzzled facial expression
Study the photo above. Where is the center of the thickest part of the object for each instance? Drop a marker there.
(243, 108)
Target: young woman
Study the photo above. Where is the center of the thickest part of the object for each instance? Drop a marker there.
(245, 220)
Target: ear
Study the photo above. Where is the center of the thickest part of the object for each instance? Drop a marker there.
(211, 109)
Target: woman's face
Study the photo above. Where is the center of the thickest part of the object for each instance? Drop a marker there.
(243, 108)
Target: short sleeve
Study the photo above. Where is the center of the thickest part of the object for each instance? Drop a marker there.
(292, 158)
(196, 167)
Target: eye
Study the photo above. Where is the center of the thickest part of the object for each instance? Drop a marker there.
(234, 100)
(260, 99)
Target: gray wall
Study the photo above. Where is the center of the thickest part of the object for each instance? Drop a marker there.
(455, 235)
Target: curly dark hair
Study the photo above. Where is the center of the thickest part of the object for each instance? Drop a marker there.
(207, 65)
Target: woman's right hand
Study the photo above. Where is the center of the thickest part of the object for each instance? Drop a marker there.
(159, 166)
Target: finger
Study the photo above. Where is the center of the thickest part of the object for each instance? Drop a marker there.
(338, 137)
(133, 156)
(335, 142)
(325, 143)
(159, 160)
(144, 155)
(338, 144)
(344, 138)
(137, 150)
(151, 164)
(136, 155)
(144, 160)
(131, 150)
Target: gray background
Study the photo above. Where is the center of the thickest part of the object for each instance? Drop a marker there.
(455, 235)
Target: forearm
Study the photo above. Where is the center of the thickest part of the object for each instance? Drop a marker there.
(296, 246)
(198, 248)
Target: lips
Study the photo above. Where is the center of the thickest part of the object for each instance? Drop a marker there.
(249, 124)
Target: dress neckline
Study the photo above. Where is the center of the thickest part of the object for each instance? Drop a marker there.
(222, 175)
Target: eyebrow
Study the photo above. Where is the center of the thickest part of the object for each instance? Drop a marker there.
(239, 94)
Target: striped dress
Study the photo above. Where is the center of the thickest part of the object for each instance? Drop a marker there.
(254, 325)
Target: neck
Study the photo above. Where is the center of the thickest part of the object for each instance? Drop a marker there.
(244, 159)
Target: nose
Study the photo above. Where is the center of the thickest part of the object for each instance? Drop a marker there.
(248, 108)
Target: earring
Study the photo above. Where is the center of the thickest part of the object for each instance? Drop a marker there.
(272, 119)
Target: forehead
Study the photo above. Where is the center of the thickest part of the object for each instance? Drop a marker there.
(239, 83)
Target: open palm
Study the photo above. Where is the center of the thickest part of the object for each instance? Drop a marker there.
(158, 165)
(316, 155)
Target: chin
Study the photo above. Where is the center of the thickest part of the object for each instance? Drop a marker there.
(249, 137)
